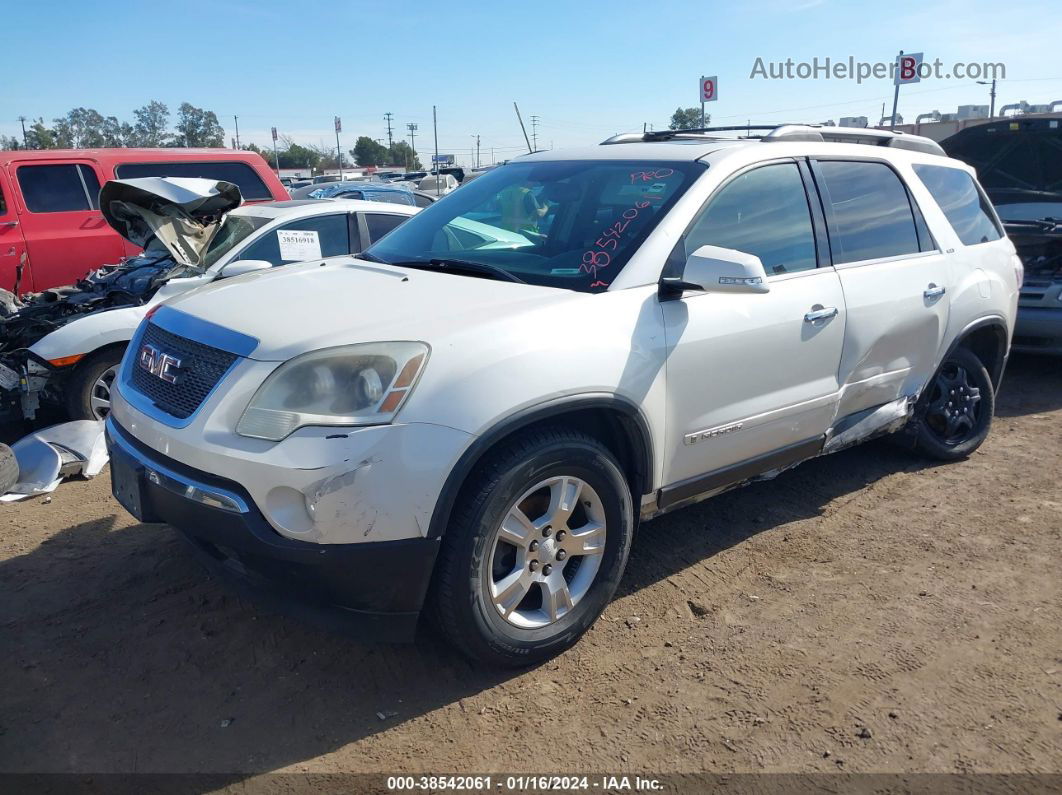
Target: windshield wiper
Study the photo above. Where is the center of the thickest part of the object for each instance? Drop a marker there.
(370, 257)
(459, 265)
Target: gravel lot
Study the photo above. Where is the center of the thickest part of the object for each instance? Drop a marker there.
(863, 612)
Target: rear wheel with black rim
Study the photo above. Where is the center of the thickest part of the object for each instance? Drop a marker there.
(955, 410)
(535, 550)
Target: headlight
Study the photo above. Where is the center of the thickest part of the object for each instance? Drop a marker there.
(364, 384)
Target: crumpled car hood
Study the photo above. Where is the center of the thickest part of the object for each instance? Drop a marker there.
(182, 213)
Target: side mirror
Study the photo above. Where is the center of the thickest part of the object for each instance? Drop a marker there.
(721, 270)
(242, 266)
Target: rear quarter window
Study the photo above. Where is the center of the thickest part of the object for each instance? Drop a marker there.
(868, 211)
(963, 202)
(241, 174)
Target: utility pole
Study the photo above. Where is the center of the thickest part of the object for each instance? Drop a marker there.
(435, 128)
(412, 135)
(477, 150)
(236, 119)
(991, 93)
(23, 120)
(534, 131)
(520, 119)
(276, 157)
(339, 149)
(390, 141)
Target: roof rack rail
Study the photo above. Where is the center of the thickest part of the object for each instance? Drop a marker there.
(793, 132)
(854, 135)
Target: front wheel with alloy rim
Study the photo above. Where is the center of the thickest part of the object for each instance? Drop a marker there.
(955, 410)
(536, 547)
(88, 390)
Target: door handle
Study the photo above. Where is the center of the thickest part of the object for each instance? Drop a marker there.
(933, 291)
(820, 314)
(8, 223)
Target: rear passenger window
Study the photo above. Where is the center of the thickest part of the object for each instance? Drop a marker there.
(762, 212)
(380, 224)
(964, 205)
(871, 213)
(242, 175)
(323, 236)
(60, 188)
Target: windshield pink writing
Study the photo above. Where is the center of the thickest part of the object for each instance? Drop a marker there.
(649, 176)
(599, 255)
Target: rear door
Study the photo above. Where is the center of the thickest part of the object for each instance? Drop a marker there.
(64, 230)
(12, 244)
(895, 281)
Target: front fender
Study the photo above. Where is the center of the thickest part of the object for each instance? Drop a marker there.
(90, 333)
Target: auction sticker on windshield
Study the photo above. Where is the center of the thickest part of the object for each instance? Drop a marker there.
(297, 245)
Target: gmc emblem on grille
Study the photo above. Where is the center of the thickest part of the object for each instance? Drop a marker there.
(159, 364)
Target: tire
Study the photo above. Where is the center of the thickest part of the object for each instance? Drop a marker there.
(88, 388)
(8, 469)
(955, 411)
(583, 556)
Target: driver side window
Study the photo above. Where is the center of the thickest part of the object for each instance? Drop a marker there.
(763, 212)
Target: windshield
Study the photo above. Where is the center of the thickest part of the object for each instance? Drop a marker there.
(234, 230)
(569, 224)
(1030, 211)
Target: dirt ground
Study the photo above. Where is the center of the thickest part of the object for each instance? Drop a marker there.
(863, 612)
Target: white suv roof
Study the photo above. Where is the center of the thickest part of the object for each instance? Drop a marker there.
(696, 144)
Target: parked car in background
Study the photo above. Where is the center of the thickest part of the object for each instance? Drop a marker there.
(476, 428)
(63, 347)
(1019, 163)
(367, 191)
(51, 228)
(438, 185)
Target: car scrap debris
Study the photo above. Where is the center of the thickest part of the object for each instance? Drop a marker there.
(173, 219)
(45, 458)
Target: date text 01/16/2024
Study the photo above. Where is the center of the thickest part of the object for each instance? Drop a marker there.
(522, 783)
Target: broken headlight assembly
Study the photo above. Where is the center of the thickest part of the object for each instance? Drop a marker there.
(362, 384)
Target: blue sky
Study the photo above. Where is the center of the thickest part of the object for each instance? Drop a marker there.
(586, 68)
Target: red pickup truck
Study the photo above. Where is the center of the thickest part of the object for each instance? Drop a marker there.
(51, 229)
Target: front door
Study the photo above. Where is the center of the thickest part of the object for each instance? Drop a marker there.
(752, 376)
(65, 232)
(12, 244)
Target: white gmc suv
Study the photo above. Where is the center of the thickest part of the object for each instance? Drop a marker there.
(476, 428)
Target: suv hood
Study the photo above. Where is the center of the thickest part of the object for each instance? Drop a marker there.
(182, 213)
(305, 307)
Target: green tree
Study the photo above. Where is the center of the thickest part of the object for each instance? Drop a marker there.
(687, 119)
(80, 128)
(402, 155)
(197, 127)
(150, 127)
(367, 152)
(40, 136)
(9, 143)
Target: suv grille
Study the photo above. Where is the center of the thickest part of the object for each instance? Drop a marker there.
(202, 367)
